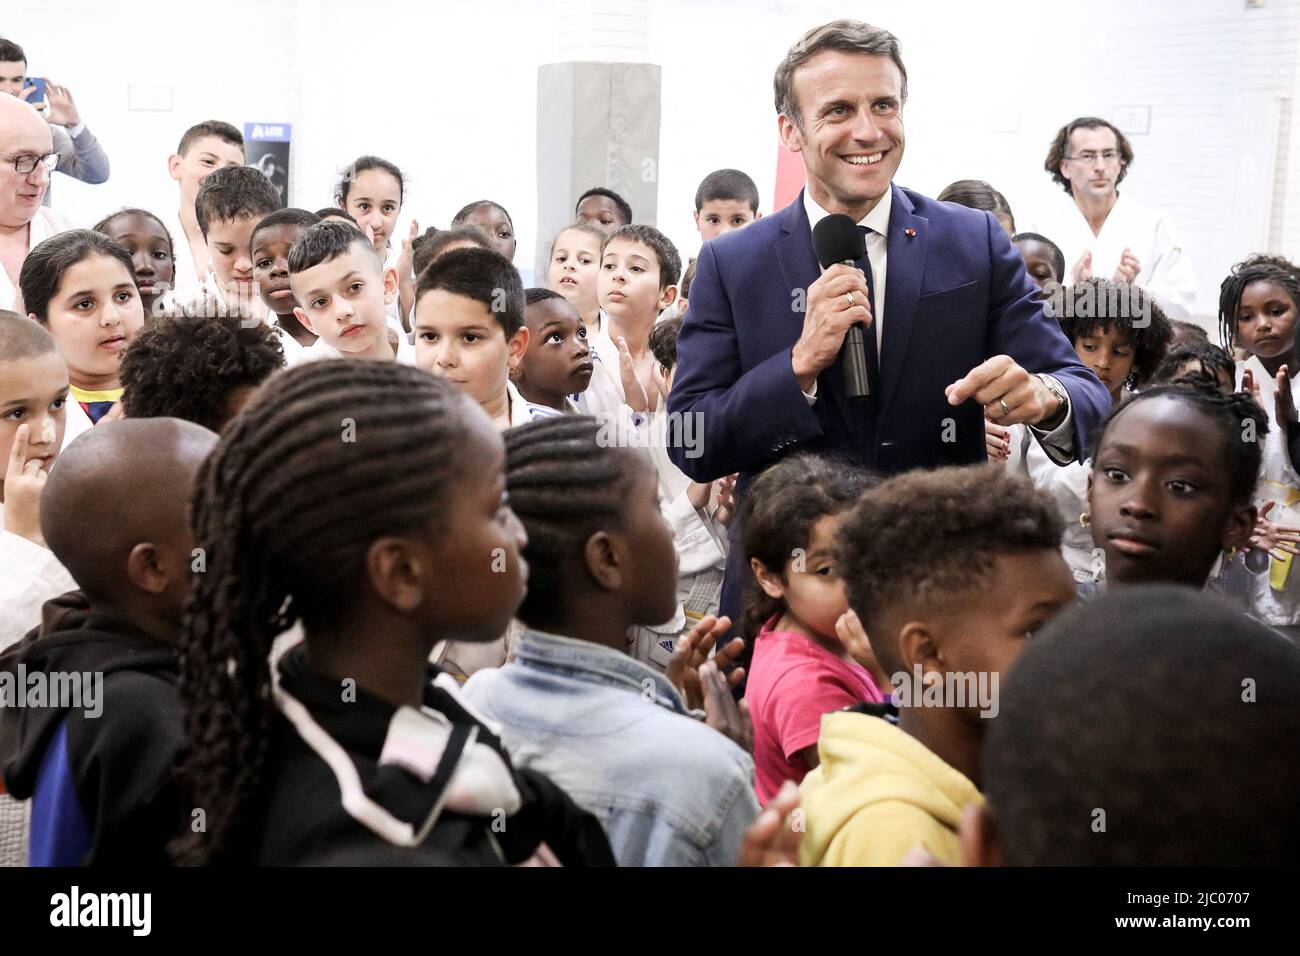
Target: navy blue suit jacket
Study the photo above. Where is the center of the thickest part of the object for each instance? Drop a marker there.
(957, 294)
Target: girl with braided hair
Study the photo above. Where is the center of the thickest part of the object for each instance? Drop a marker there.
(574, 703)
(1259, 302)
(362, 505)
(1173, 475)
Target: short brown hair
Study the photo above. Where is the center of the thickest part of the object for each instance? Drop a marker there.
(669, 259)
(849, 36)
(222, 131)
(1062, 142)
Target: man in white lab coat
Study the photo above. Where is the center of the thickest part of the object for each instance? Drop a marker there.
(1107, 235)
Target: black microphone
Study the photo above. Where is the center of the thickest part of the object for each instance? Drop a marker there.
(837, 238)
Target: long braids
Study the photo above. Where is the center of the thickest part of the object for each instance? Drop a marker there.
(1259, 268)
(327, 458)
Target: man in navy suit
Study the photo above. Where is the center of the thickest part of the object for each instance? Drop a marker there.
(954, 325)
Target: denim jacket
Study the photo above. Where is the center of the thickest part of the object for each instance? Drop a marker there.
(616, 736)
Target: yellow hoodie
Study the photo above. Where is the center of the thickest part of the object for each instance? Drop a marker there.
(877, 793)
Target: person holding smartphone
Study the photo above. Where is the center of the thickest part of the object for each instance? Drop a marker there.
(80, 155)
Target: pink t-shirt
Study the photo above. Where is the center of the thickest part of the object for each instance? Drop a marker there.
(793, 681)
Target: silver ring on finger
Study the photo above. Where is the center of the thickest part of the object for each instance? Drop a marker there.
(1005, 410)
(852, 301)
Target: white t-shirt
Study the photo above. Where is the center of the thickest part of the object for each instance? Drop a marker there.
(29, 576)
(76, 422)
(186, 282)
(320, 349)
(293, 349)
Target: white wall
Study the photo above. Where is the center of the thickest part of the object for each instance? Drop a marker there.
(448, 91)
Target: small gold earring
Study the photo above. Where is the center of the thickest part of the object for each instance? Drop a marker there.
(1085, 519)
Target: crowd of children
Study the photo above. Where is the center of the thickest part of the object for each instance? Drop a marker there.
(370, 554)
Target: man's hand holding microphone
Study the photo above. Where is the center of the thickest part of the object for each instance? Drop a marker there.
(839, 301)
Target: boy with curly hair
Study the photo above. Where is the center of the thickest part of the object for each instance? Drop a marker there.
(949, 572)
(200, 369)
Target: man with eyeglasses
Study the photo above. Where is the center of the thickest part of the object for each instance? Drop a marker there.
(26, 158)
(79, 153)
(1104, 236)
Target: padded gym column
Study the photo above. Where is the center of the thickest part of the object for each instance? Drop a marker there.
(597, 125)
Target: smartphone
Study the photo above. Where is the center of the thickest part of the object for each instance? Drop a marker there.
(39, 96)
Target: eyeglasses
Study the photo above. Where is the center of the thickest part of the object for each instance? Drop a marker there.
(1109, 156)
(26, 164)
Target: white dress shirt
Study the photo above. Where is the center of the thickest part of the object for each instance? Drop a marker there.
(876, 223)
(1059, 442)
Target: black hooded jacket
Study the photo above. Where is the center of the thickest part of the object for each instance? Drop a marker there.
(352, 779)
(121, 762)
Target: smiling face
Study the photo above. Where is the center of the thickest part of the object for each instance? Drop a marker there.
(575, 264)
(558, 361)
(344, 301)
(150, 246)
(22, 133)
(459, 339)
(851, 132)
(375, 200)
(271, 266)
(1160, 495)
(206, 155)
(1109, 353)
(1093, 171)
(33, 392)
(94, 315)
(495, 224)
(1266, 320)
(719, 216)
(628, 284)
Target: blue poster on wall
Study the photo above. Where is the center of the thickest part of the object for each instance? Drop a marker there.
(266, 146)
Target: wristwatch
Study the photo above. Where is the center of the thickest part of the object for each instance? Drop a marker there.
(1063, 402)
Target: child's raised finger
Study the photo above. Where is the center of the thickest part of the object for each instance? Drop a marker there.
(18, 453)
